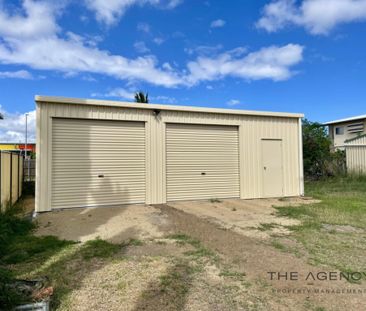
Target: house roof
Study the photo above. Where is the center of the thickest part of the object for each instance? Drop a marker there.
(120, 104)
(363, 116)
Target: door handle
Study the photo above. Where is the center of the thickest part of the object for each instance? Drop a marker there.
(101, 176)
(265, 168)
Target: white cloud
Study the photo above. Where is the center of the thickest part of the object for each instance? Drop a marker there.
(204, 49)
(12, 128)
(117, 93)
(144, 27)
(129, 94)
(20, 74)
(268, 63)
(38, 20)
(164, 99)
(73, 54)
(45, 50)
(233, 102)
(317, 16)
(110, 11)
(218, 23)
(158, 40)
(141, 47)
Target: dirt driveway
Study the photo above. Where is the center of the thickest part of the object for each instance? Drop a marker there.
(114, 224)
(206, 255)
(247, 217)
(117, 224)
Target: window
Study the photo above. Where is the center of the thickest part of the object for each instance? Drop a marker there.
(339, 130)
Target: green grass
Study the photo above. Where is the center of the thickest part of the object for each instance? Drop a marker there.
(26, 256)
(98, 249)
(343, 202)
(199, 250)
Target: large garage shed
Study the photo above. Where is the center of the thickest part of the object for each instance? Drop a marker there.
(100, 153)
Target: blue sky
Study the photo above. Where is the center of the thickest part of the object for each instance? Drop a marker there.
(282, 55)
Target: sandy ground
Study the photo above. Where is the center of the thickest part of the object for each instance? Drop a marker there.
(115, 224)
(244, 216)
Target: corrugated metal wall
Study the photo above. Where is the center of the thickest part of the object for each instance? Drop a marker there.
(251, 130)
(11, 177)
(356, 155)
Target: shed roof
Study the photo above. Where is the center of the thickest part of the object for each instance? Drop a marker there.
(359, 140)
(363, 116)
(120, 104)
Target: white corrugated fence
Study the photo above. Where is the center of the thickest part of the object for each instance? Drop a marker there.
(11, 172)
(356, 155)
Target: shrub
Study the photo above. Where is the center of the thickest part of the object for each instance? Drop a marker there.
(319, 160)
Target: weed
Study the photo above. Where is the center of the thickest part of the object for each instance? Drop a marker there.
(183, 238)
(266, 226)
(135, 242)
(199, 252)
(278, 245)
(160, 242)
(232, 274)
(214, 200)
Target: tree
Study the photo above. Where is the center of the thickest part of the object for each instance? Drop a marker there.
(319, 161)
(140, 97)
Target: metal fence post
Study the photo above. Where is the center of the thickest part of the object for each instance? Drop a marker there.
(18, 179)
(11, 179)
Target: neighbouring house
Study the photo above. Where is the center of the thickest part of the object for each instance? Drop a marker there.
(98, 153)
(345, 129)
(18, 148)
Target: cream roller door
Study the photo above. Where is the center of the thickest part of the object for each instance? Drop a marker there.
(202, 162)
(97, 162)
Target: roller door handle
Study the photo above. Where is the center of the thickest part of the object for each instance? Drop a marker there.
(203, 173)
(101, 176)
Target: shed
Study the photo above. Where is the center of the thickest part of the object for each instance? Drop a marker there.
(100, 153)
(356, 155)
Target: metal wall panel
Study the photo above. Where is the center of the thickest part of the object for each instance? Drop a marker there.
(356, 159)
(5, 177)
(252, 128)
(21, 173)
(11, 178)
(202, 161)
(15, 178)
(96, 163)
(356, 155)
